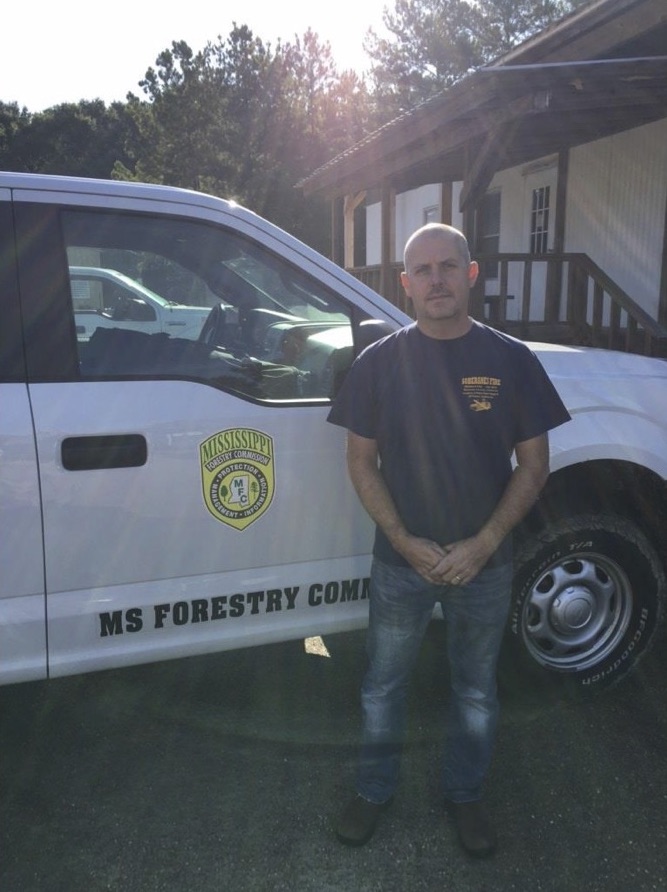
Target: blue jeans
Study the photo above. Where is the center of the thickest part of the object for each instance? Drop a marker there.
(401, 606)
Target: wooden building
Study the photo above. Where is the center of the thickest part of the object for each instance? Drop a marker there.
(553, 160)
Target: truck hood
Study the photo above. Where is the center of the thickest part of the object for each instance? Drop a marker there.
(586, 363)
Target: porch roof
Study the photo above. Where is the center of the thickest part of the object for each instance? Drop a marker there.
(517, 110)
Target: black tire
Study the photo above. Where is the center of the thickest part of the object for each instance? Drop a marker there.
(588, 596)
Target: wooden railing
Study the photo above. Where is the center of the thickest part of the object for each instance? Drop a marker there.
(558, 298)
(393, 290)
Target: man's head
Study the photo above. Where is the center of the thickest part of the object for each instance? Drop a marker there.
(438, 277)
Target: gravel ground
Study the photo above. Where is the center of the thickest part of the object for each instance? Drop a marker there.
(224, 773)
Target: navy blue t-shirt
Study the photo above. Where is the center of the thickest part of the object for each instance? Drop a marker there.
(446, 416)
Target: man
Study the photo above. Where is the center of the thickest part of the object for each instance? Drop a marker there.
(434, 413)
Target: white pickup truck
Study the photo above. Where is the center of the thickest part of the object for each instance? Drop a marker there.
(109, 298)
(163, 496)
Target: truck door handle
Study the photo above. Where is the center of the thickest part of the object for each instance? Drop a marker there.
(100, 452)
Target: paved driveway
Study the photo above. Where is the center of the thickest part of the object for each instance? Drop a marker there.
(222, 773)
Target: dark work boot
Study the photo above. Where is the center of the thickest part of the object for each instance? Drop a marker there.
(358, 821)
(475, 830)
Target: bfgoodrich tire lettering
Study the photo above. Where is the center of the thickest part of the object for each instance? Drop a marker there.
(588, 596)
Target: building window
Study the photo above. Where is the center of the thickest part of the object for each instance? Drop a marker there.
(489, 232)
(539, 220)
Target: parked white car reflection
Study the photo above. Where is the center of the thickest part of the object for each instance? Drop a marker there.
(106, 298)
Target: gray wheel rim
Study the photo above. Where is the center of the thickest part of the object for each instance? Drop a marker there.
(577, 612)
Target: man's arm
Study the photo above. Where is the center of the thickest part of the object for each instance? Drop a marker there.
(362, 463)
(465, 559)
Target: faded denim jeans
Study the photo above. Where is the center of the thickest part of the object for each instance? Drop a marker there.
(401, 605)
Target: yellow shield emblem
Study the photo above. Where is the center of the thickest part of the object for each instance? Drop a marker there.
(237, 475)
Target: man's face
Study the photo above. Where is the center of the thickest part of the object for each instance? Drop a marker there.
(438, 280)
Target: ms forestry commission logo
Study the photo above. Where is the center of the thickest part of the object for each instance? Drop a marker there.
(238, 476)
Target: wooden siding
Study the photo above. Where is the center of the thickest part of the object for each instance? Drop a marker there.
(617, 195)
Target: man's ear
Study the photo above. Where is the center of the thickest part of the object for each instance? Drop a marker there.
(473, 272)
(405, 282)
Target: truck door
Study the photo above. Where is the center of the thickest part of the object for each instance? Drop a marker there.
(194, 497)
(22, 617)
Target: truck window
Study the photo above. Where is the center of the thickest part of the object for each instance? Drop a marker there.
(166, 297)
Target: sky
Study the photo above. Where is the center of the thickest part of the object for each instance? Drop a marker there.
(70, 50)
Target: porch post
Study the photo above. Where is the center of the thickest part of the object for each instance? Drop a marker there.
(388, 217)
(468, 209)
(337, 248)
(446, 203)
(554, 283)
(662, 297)
(351, 203)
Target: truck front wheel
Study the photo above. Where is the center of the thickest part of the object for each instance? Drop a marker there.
(588, 596)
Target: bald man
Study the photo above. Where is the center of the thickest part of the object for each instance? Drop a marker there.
(447, 448)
